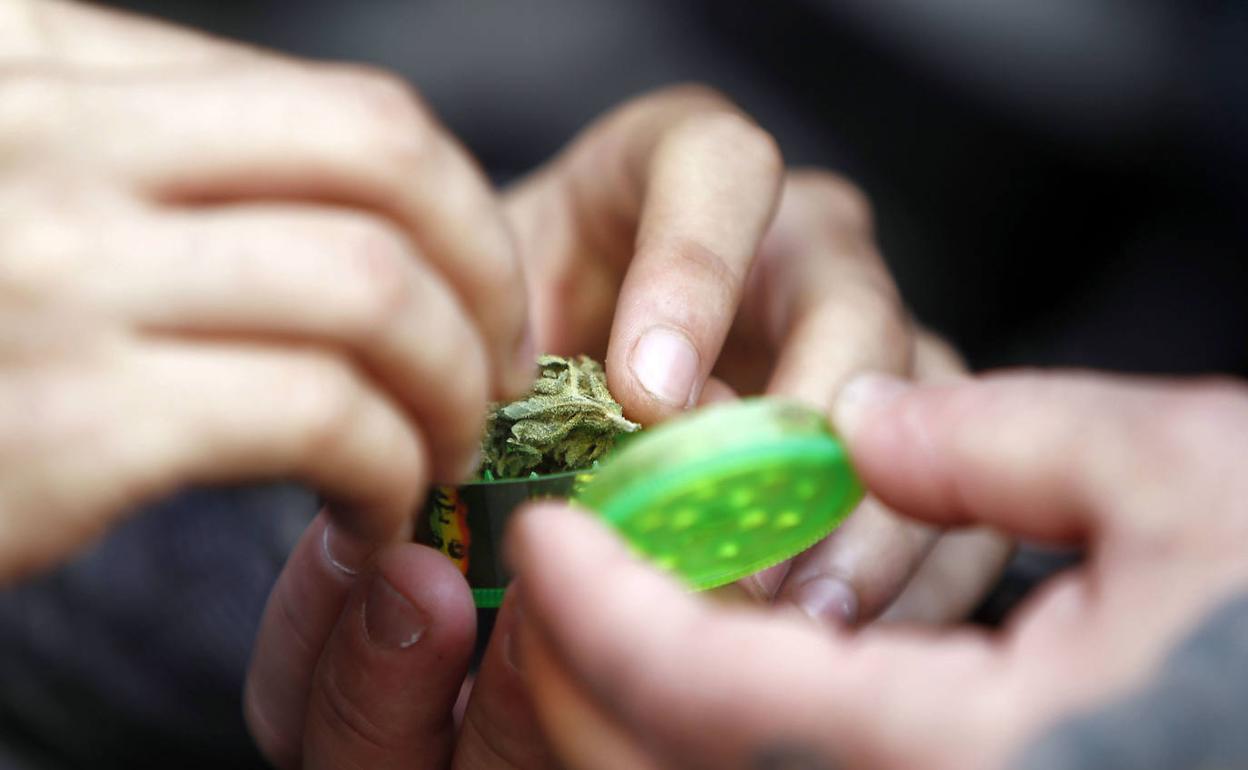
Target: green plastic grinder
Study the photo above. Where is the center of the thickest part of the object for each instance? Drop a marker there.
(728, 490)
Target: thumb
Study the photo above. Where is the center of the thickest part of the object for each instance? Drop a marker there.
(701, 684)
(1043, 456)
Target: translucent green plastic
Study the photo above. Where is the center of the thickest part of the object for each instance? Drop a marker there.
(728, 490)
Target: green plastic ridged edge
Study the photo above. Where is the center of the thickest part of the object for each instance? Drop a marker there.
(636, 497)
(801, 448)
(488, 598)
(640, 496)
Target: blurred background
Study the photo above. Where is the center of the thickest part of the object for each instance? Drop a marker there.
(1055, 183)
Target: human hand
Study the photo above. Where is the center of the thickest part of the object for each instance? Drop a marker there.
(217, 264)
(497, 725)
(704, 185)
(220, 264)
(696, 184)
(630, 671)
(361, 662)
(670, 240)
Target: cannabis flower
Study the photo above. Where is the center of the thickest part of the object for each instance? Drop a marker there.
(567, 420)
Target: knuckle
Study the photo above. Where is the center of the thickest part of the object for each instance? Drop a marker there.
(935, 356)
(834, 196)
(326, 397)
(451, 411)
(890, 321)
(33, 256)
(467, 392)
(689, 262)
(1207, 408)
(378, 267)
(476, 376)
(694, 93)
(336, 415)
(397, 126)
(343, 716)
(30, 100)
(740, 139)
(331, 427)
(876, 323)
(383, 94)
(488, 279)
(409, 464)
(883, 316)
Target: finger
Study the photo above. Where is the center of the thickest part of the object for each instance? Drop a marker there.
(1058, 473)
(95, 36)
(822, 297)
(710, 186)
(955, 577)
(271, 414)
(693, 184)
(391, 671)
(102, 434)
(302, 609)
(336, 134)
(856, 573)
(20, 35)
(500, 728)
(308, 274)
(716, 391)
(585, 736)
(693, 681)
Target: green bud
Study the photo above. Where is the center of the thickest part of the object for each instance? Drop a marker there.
(567, 420)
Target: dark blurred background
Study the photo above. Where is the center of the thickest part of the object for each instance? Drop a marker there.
(1055, 183)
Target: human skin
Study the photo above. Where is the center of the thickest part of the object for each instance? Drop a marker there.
(1134, 659)
(222, 264)
(815, 278)
(803, 275)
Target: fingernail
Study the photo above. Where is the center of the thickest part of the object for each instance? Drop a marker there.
(665, 362)
(828, 600)
(345, 553)
(390, 620)
(862, 395)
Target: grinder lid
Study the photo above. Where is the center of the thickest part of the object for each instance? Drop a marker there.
(727, 490)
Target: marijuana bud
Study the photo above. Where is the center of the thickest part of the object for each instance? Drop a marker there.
(566, 422)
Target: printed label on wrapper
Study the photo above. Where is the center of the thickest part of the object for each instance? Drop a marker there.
(468, 522)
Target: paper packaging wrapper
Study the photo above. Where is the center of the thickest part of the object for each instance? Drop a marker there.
(467, 523)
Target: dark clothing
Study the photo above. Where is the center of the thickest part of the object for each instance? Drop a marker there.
(134, 655)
